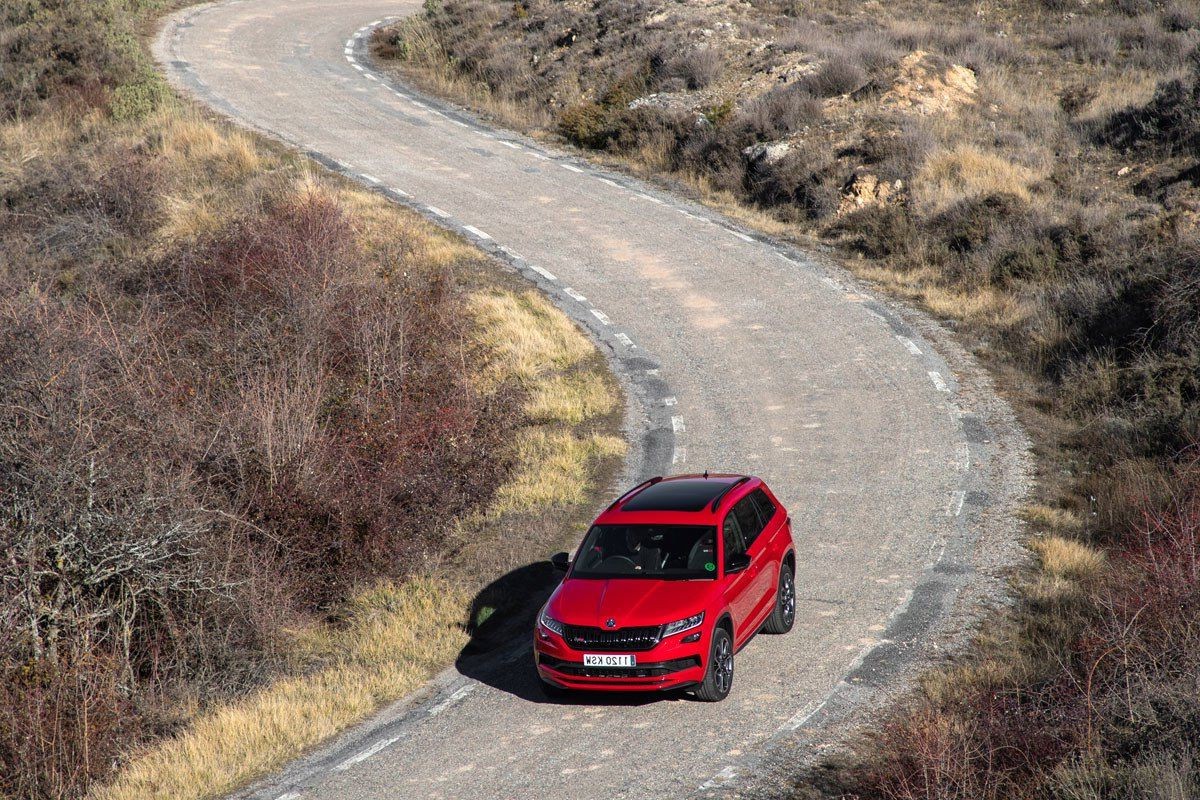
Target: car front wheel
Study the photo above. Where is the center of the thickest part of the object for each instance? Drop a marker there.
(718, 679)
(783, 616)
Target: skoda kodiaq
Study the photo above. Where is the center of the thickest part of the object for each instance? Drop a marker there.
(670, 581)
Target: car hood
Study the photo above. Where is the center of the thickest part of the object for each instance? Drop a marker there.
(627, 601)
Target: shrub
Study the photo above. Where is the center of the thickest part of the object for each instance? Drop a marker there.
(781, 111)
(698, 68)
(837, 76)
(802, 179)
(585, 124)
(1171, 120)
(54, 48)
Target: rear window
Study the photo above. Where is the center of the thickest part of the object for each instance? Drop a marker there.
(766, 509)
(648, 551)
(686, 495)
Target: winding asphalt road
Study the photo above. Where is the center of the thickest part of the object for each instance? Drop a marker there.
(738, 354)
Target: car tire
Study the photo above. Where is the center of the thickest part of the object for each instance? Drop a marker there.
(718, 678)
(783, 616)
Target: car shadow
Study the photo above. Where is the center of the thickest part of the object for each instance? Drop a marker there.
(500, 651)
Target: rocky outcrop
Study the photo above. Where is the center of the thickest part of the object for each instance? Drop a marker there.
(927, 84)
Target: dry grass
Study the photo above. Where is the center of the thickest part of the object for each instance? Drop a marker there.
(530, 336)
(1045, 519)
(395, 637)
(554, 469)
(964, 172)
(571, 398)
(1067, 559)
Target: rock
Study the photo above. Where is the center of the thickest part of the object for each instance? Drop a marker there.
(928, 85)
(766, 153)
(1123, 171)
(864, 190)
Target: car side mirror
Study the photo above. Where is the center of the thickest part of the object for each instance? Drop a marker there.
(561, 561)
(737, 563)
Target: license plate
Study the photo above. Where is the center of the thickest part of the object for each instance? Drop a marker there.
(598, 660)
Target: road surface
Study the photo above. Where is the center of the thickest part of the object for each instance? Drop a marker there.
(738, 354)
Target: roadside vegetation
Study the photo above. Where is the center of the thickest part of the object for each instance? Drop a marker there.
(258, 428)
(1030, 173)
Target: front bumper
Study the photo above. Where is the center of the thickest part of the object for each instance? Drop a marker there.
(670, 664)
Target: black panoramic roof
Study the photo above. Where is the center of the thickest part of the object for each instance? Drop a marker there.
(685, 494)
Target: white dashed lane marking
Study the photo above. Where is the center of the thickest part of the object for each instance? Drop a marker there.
(724, 776)
(544, 273)
(956, 503)
(370, 178)
(459, 694)
(471, 229)
(438, 212)
(574, 295)
(677, 424)
(570, 167)
(939, 382)
(600, 315)
(365, 754)
(742, 236)
(624, 339)
(910, 345)
(510, 144)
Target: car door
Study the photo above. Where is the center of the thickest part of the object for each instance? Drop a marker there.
(762, 584)
(739, 587)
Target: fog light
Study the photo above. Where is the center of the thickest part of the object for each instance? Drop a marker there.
(691, 637)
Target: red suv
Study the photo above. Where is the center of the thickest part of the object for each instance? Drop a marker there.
(671, 580)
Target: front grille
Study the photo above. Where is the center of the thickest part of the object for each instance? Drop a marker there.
(654, 670)
(623, 640)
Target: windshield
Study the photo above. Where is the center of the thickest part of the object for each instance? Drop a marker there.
(648, 551)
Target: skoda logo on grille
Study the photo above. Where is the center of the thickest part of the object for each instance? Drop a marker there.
(610, 623)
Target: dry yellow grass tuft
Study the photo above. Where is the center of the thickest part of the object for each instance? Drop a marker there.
(553, 469)
(1051, 520)
(396, 636)
(965, 171)
(529, 335)
(1065, 559)
(192, 144)
(571, 398)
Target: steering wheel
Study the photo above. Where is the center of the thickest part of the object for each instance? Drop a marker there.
(619, 564)
(697, 557)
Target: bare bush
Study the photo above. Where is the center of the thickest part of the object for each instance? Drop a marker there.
(839, 75)
(780, 112)
(697, 68)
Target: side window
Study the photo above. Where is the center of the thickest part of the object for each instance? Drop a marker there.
(732, 534)
(766, 509)
(747, 517)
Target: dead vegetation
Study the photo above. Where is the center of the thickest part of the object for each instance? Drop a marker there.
(1028, 172)
(257, 431)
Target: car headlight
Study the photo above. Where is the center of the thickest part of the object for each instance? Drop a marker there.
(682, 625)
(550, 623)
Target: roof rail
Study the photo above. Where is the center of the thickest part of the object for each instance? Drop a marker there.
(717, 500)
(634, 491)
